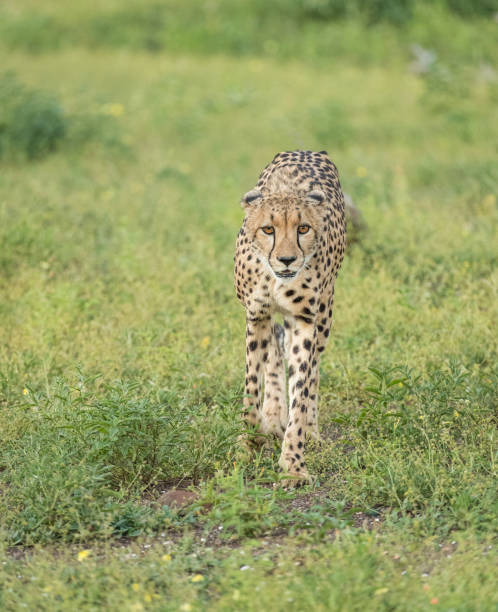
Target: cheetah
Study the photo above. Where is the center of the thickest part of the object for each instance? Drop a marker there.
(288, 254)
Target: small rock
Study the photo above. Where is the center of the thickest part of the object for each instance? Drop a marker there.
(424, 59)
(177, 498)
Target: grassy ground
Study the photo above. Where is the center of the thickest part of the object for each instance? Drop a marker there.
(126, 142)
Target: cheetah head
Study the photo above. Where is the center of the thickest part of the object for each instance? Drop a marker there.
(284, 229)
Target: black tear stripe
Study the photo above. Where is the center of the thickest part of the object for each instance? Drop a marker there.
(299, 245)
(273, 246)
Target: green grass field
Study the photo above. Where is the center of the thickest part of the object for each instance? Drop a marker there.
(128, 133)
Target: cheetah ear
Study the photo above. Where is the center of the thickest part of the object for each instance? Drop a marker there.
(315, 197)
(250, 197)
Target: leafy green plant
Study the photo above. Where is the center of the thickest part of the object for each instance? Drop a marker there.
(240, 505)
(390, 388)
(95, 451)
(321, 518)
(475, 8)
(419, 449)
(32, 123)
(134, 435)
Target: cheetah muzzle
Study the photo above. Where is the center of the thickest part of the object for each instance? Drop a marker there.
(288, 254)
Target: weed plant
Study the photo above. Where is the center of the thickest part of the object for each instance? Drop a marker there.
(34, 124)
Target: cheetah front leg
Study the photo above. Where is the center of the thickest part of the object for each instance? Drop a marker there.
(312, 415)
(275, 413)
(302, 384)
(323, 323)
(258, 336)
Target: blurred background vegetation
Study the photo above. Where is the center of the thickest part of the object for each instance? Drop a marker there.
(128, 132)
(283, 28)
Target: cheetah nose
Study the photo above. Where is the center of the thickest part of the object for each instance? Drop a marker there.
(287, 260)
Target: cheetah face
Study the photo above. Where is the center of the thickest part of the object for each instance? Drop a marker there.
(284, 229)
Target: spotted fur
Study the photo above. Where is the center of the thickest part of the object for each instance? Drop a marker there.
(288, 253)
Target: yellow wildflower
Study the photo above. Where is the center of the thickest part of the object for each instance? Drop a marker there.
(114, 109)
(83, 554)
(108, 194)
(25, 391)
(135, 586)
(488, 202)
(381, 591)
(205, 341)
(166, 558)
(197, 578)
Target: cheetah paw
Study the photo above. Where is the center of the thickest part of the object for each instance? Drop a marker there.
(243, 452)
(315, 437)
(295, 480)
(247, 445)
(292, 477)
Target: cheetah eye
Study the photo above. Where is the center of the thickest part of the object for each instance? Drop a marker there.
(303, 229)
(268, 229)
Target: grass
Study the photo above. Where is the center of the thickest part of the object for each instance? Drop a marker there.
(121, 343)
(335, 575)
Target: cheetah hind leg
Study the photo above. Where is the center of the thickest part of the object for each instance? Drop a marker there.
(275, 412)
